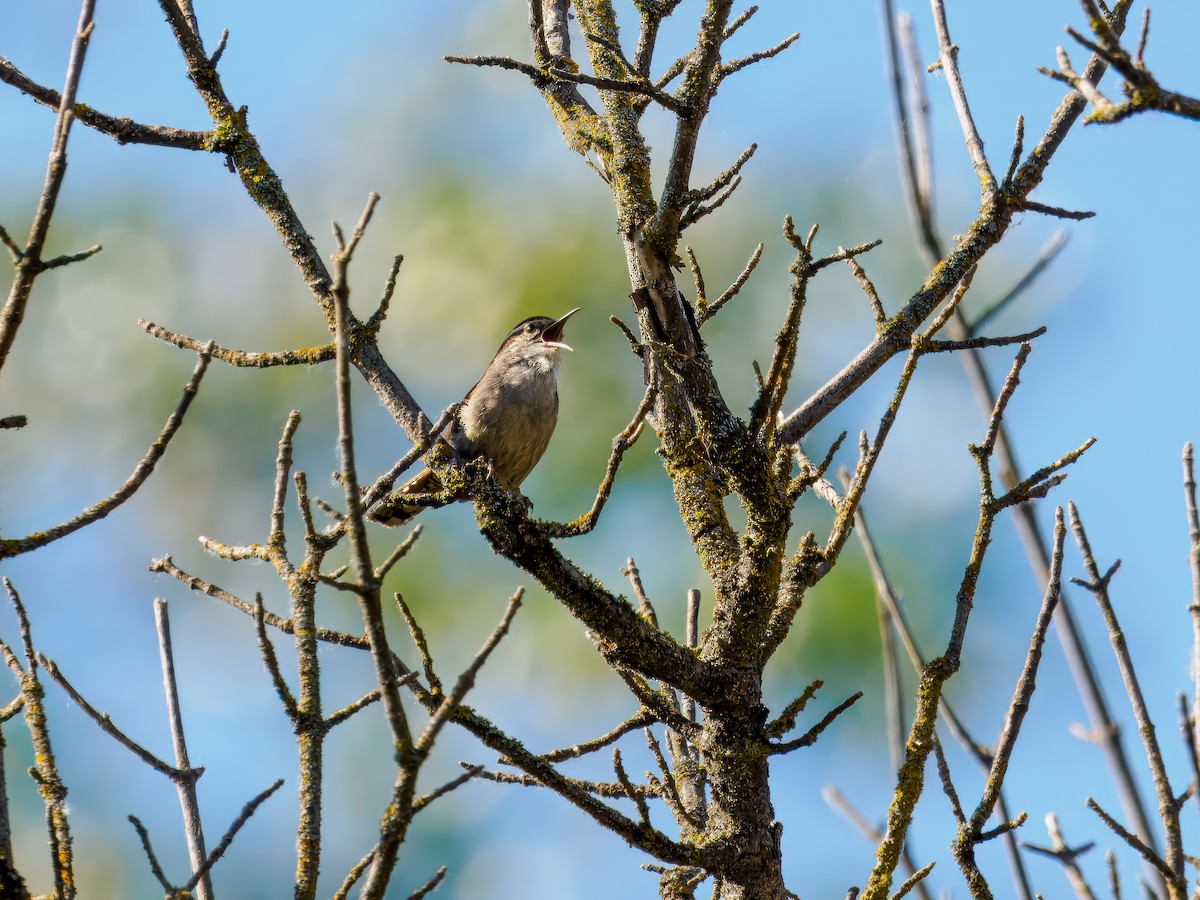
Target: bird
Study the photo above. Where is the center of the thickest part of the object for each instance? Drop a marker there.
(507, 418)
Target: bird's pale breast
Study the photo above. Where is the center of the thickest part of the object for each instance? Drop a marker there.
(510, 415)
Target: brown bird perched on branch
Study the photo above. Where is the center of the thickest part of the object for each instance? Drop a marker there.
(507, 418)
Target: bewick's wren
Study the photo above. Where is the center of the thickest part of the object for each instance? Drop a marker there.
(507, 418)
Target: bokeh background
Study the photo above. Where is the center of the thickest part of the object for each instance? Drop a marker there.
(497, 221)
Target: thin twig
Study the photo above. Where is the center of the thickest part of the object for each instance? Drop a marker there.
(912, 124)
(399, 553)
(949, 64)
(155, 868)
(30, 264)
(186, 787)
(467, 679)
(692, 637)
(738, 283)
(1193, 520)
(541, 78)
(640, 719)
(106, 724)
(328, 635)
(971, 832)
(271, 661)
(1066, 855)
(786, 720)
(384, 482)
(638, 797)
(737, 65)
(356, 872)
(423, 801)
(1046, 255)
(645, 607)
(431, 885)
(16, 546)
(121, 129)
(422, 645)
(1167, 807)
(307, 356)
(371, 696)
(45, 771)
(620, 444)
(810, 737)
(283, 465)
(838, 801)
(244, 816)
(1147, 853)
(912, 881)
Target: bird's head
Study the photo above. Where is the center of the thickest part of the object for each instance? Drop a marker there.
(537, 338)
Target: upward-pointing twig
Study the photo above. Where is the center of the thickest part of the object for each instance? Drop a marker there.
(949, 65)
(186, 787)
(30, 264)
(143, 470)
(1168, 808)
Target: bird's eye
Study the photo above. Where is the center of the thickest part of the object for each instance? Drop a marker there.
(530, 329)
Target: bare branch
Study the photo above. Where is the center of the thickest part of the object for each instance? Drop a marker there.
(971, 832)
(186, 787)
(423, 801)
(307, 356)
(1046, 255)
(155, 868)
(620, 444)
(810, 737)
(16, 546)
(45, 771)
(645, 608)
(949, 65)
(108, 727)
(244, 816)
(422, 645)
(467, 679)
(1167, 807)
(29, 264)
(1141, 88)
(912, 881)
(1193, 520)
(640, 719)
(431, 885)
(1066, 855)
(737, 65)
(122, 130)
(1147, 853)
(271, 661)
(638, 797)
(541, 78)
(166, 565)
(838, 801)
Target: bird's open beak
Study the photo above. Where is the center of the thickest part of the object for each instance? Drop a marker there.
(554, 332)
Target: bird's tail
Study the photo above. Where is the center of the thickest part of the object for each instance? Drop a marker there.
(393, 511)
